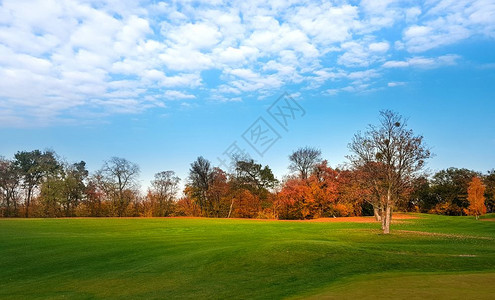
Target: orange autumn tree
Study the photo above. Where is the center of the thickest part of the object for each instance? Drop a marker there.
(294, 200)
(245, 204)
(476, 198)
(323, 186)
(311, 197)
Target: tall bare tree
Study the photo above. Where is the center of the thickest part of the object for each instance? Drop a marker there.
(165, 188)
(303, 161)
(392, 156)
(118, 176)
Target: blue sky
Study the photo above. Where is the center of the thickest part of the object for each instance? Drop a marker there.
(160, 83)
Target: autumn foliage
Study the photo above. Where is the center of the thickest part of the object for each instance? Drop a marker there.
(476, 198)
(325, 193)
(40, 184)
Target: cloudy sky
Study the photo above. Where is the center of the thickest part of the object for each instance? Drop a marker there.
(160, 83)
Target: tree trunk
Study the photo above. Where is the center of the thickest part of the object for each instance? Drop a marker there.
(387, 213)
(384, 219)
(7, 212)
(28, 200)
(388, 217)
(376, 213)
(383, 215)
(160, 206)
(230, 210)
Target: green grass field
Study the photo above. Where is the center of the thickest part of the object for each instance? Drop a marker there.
(219, 258)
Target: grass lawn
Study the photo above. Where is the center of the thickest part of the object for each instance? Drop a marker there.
(432, 256)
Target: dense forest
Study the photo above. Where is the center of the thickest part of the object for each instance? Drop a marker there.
(384, 173)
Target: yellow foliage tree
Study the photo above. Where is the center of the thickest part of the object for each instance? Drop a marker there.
(476, 198)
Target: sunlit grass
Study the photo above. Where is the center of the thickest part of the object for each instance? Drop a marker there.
(219, 258)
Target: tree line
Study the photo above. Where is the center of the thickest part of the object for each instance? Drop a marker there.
(385, 172)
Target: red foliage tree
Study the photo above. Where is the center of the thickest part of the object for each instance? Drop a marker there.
(324, 190)
(352, 192)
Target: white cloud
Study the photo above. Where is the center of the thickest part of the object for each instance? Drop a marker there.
(395, 83)
(285, 71)
(447, 22)
(353, 88)
(363, 75)
(61, 58)
(193, 36)
(184, 59)
(379, 14)
(240, 55)
(323, 75)
(362, 53)
(245, 80)
(423, 62)
(244, 74)
(176, 95)
(379, 47)
(422, 38)
(396, 64)
(326, 23)
(355, 55)
(412, 14)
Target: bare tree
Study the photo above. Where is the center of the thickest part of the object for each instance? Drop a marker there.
(392, 157)
(118, 176)
(165, 188)
(303, 161)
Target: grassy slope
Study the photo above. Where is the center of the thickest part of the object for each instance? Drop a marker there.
(416, 286)
(207, 258)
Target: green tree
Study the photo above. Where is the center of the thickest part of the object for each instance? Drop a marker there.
(489, 180)
(74, 187)
(253, 175)
(34, 166)
(255, 178)
(422, 197)
(200, 178)
(449, 187)
(9, 188)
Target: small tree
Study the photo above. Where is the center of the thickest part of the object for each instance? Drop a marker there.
(303, 160)
(476, 198)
